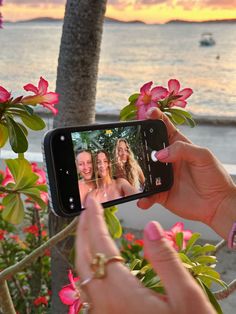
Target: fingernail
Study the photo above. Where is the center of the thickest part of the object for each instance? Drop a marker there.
(154, 231)
(162, 154)
(149, 112)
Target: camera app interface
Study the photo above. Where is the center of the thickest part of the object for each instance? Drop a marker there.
(112, 163)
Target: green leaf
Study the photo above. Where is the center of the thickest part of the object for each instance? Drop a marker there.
(204, 269)
(184, 258)
(180, 111)
(28, 109)
(13, 211)
(133, 97)
(191, 241)
(22, 173)
(34, 194)
(17, 137)
(33, 122)
(128, 112)
(113, 223)
(179, 237)
(23, 128)
(3, 135)
(42, 187)
(211, 297)
(205, 259)
(201, 250)
(135, 263)
(213, 279)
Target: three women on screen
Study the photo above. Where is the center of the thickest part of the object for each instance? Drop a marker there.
(98, 180)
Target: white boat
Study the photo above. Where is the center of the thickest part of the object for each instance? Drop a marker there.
(207, 40)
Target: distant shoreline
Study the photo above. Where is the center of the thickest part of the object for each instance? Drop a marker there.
(111, 20)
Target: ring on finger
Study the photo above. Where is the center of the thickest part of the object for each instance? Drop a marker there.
(100, 261)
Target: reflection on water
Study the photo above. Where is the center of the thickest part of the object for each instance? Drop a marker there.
(132, 55)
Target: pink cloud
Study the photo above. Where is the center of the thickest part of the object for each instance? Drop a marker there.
(36, 3)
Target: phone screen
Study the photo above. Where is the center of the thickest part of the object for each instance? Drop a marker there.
(113, 163)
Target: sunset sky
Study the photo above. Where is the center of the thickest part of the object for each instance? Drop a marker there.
(149, 11)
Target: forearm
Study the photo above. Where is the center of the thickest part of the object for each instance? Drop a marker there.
(225, 215)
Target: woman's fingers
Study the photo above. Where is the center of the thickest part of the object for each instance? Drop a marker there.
(177, 281)
(100, 240)
(83, 256)
(182, 151)
(173, 133)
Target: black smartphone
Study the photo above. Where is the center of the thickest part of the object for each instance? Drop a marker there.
(114, 163)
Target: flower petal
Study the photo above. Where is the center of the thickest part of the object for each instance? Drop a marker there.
(50, 98)
(158, 93)
(50, 107)
(146, 87)
(74, 308)
(4, 94)
(68, 295)
(185, 93)
(174, 86)
(177, 227)
(187, 234)
(179, 103)
(31, 88)
(42, 86)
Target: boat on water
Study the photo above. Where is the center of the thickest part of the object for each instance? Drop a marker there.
(207, 40)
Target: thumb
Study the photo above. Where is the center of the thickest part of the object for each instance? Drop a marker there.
(166, 263)
(185, 151)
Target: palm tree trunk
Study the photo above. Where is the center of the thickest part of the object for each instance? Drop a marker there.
(76, 84)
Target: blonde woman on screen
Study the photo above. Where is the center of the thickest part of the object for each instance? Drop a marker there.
(126, 166)
(108, 188)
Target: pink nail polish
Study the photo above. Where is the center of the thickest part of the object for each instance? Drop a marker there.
(153, 231)
(162, 154)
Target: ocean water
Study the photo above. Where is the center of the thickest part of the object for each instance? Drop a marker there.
(131, 55)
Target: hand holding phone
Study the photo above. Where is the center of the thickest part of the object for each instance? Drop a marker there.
(114, 163)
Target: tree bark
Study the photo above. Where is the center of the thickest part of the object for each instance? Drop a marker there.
(76, 84)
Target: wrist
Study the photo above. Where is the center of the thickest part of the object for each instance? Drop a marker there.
(225, 215)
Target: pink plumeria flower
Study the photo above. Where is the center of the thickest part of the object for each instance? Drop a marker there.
(70, 295)
(4, 95)
(171, 234)
(174, 90)
(42, 97)
(148, 98)
(40, 173)
(8, 177)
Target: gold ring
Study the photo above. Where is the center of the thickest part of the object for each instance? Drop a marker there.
(100, 261)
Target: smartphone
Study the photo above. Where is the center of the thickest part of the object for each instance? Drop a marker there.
(113, 163)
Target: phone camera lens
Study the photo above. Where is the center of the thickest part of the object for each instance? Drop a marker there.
(62, 137)
(71, 199)
(72, 206)
(67, 172)
(151, 130)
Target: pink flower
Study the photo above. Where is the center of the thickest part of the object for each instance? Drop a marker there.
(129, 237)
(149, 98)
(40, 300)
(171, 234)
(139, 242)
(41, 97)
(174, 90)
(2, 234)
(70, 295)
(8, 178)
(4, 94)
(33, 229)
(40, 172)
